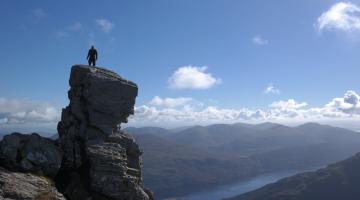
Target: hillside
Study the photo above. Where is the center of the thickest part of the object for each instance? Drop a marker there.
(181, 161)
(172, 169)
(337, 181)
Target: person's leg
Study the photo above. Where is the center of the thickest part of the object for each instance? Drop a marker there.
(89, 61)
(94, 62)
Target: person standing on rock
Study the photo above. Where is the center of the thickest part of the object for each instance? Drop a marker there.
(92, 56)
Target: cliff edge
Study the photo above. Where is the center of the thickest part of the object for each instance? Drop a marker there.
(93, 158)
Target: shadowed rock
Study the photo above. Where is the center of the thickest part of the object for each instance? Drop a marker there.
(89, 134)
(30, 153)
(92, 159)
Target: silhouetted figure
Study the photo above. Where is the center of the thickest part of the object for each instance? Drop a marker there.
(92, 56)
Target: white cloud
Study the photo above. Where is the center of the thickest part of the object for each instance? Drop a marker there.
(344, 109)
(349, 104)
(192, 77)
(342, 16)
(270, 89)
(105, 25)
(289, 104)
(170, 102)
(187, 115)
(14, 111)
(39, 13)
(259, 40)
(3, 120)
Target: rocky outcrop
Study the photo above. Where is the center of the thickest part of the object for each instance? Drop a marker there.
(26, 186)
(93, 158)
(99, 101)
(30, 153)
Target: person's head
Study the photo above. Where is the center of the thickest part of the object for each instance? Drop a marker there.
(92, 47)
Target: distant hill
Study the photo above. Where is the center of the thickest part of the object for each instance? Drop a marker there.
(172, 169)
(255, 139)
(339, 181)
(148, 130)
(184, 160)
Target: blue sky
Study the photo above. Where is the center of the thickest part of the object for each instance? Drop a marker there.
(211, 60)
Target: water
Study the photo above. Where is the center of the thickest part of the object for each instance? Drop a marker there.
(241, 186)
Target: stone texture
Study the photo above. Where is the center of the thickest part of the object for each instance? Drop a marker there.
(25, 186)
(92, 159)
(102, 93)
(99, 101)
(30, 153)
(89, 134)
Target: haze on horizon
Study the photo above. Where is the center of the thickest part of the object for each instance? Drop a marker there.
(195, 62)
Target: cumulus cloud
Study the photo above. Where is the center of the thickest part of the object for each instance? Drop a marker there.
(14, 111)
(341, 16)
(187, 115)
(289, 104)
(192, 77)
(170, 102)
(259, 40)
(270, 89)
(349, 104)
(105, 25)
(346, 108)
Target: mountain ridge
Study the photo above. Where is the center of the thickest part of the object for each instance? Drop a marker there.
(254, 148)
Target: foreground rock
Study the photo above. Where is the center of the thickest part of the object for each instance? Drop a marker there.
(30, 153)
(90, 137)
(92, 159)
(25, 186)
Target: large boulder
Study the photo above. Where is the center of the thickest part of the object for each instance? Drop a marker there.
(30, 153)
(99, 101)
(102, 96)
(26, 186)
(90, 136)
(92, 158)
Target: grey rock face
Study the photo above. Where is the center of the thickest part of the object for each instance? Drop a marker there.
(89, 135)
(92, 159)
(30, 153)
(107, 98)
(99, 101)
(25, 186)
(116, 168)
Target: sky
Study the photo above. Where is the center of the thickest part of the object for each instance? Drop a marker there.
(195, 62)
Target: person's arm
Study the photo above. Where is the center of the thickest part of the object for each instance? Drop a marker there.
(88, 55)
(96, 55)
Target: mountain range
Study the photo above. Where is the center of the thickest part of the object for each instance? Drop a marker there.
(191, 159)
